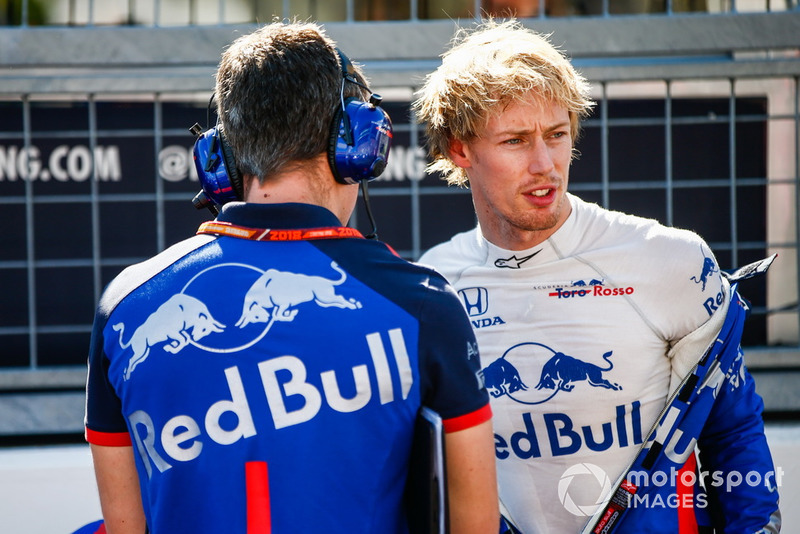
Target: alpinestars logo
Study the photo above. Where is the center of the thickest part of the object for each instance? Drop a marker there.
(513, 262)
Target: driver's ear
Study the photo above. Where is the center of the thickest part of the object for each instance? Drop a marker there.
(460, 153)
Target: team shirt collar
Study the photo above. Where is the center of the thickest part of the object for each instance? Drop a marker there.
(281, 216)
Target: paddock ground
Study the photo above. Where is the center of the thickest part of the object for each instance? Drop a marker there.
(51, 489)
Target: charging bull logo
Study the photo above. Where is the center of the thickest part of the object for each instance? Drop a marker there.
(179, 321)
(502, 378)
(709, 268)
(185, 320)
(560, 372)
(276, 294)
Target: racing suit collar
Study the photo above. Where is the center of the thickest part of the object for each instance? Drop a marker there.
(555, 247)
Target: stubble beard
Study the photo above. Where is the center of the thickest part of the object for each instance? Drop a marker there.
(536, 225)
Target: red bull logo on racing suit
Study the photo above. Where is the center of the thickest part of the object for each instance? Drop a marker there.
(560, 374)
(709, 268)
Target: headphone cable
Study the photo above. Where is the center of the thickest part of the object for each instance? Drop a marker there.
(365, 194)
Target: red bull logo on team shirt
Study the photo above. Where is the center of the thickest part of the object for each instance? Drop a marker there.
(291, 395)
(181, 320)
(275, 296)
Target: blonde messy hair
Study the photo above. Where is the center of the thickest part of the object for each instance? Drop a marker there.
(493, 65)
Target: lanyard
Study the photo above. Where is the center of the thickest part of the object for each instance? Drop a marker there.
(268, 234)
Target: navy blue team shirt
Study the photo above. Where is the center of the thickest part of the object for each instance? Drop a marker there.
(276, 383)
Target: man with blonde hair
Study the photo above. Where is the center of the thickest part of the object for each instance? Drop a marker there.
(587, 319)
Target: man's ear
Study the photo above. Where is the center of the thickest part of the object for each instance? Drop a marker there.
(459, 153)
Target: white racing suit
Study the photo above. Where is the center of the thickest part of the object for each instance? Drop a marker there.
(578, 337)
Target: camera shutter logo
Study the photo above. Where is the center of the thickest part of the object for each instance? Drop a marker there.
(566, 481)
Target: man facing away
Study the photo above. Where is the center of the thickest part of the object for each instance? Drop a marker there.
(593, 316)
(265, 375)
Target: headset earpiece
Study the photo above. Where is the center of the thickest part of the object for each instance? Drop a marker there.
(361, 134)
(216, 169)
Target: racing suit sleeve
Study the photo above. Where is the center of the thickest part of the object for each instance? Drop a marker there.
(741, 480)
(732, 444)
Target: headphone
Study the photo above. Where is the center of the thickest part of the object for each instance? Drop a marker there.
(358, 147)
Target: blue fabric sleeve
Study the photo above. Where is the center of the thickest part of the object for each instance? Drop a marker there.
(735, 458)
(449, 355)
(103, 406)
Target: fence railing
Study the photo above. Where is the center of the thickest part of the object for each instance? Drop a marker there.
(215, 12)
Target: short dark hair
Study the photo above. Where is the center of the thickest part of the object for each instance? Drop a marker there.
(277, 90)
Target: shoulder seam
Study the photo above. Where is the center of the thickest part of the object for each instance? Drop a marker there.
(136, 275)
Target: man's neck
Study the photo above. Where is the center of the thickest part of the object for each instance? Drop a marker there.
(308, 182)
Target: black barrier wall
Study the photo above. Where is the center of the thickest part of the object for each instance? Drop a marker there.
(100, 185)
